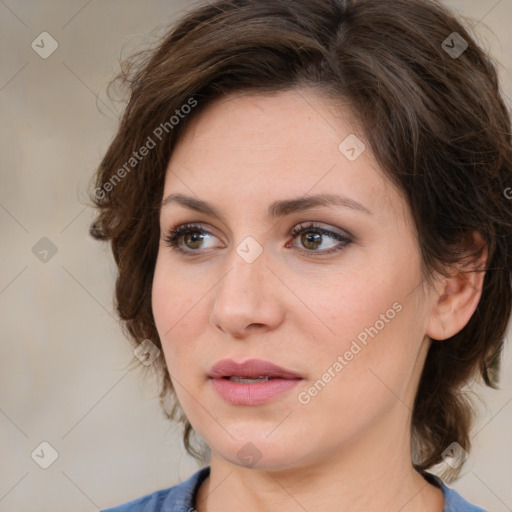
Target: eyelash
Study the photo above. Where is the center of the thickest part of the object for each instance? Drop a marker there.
(173, 237)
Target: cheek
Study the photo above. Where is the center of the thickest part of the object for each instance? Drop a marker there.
(181, 310)
(173, 311)
(350, 303)
(163, 297)
(369, 332)
(354, 382)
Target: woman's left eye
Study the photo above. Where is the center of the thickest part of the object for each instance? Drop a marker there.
(312, 237)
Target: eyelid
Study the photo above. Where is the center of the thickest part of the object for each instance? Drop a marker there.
(322, 226)
(343, 237)
(174, 234)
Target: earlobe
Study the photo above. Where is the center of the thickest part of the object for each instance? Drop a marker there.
(458, 296)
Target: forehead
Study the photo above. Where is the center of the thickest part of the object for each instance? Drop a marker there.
(280, 122)
(268, 146)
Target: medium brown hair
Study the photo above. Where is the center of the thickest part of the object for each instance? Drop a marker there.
(435, 122)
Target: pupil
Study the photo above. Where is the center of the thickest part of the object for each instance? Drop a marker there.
(313, 238)
(193, 238)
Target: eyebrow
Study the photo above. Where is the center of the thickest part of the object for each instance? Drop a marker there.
(276, 209)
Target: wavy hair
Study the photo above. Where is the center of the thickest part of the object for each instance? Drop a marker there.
(434, 118)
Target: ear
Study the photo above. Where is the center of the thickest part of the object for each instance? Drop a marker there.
(457, 295)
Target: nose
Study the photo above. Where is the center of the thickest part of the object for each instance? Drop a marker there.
(247, 298)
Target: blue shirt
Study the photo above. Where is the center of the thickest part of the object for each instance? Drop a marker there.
(181, 497)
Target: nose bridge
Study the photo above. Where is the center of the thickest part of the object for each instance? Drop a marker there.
(246, 269)
(243, 296)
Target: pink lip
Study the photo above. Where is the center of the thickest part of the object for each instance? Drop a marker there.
(251, 393)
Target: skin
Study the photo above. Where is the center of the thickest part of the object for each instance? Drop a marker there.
(349, 447)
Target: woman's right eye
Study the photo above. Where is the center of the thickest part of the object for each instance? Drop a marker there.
(192, 235)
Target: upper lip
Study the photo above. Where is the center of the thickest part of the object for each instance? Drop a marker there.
(250, 368)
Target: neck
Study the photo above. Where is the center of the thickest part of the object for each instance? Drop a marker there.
(366, 474)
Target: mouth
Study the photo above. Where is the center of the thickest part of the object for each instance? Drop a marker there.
(249, 380)
(252, 382)
(250, 369)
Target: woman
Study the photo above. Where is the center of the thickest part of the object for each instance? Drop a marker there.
(306, 203)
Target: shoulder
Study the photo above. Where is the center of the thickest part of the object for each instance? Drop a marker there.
(453, 501)
(179, 498)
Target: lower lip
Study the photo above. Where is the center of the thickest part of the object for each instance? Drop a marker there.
(238, 393)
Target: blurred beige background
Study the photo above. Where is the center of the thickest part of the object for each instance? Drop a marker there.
(65, 375)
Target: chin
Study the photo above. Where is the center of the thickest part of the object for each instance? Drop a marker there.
(259, 452)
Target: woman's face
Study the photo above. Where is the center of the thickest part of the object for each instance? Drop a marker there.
(339, 303)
